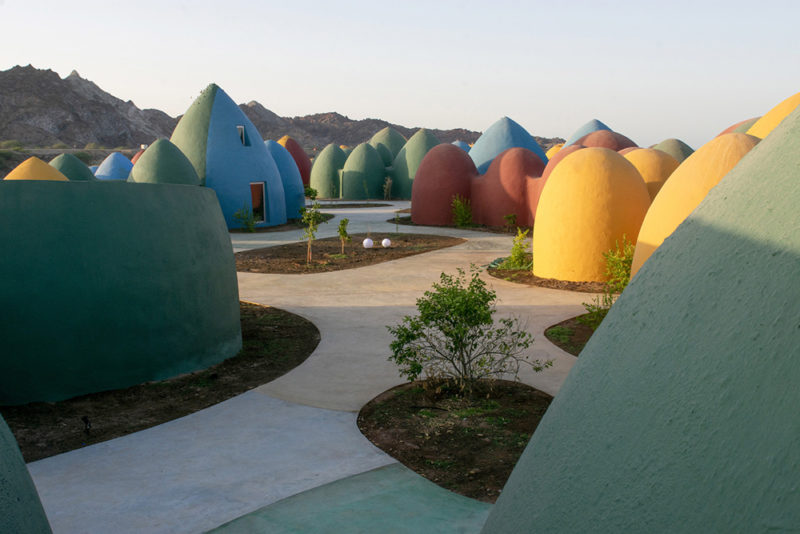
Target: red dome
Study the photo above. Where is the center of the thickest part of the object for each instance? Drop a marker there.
(444, 172)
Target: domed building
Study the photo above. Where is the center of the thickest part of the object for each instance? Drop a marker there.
(363, 174)
(763, 126)
(405, 165)
(293, 190)
(73, 168)
(593, 125)
(300, 157)
(163, 163)
(675, 148)
(654, 165)
(686, 188)
(35, 169)
(446, 171)
(606, 139)
(115, 167)
(591, 200)
(391, 139)
(325, 172)
(499, 137)
(230, 157)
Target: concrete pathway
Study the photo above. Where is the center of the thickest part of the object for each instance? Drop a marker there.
(298, 432)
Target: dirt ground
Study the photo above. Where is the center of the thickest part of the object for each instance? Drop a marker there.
(327, 253)
(570, 335)
(527, 277)
(406, 220)
(274, 342)
(468, 445)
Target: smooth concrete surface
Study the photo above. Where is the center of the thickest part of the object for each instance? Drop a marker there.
(197, 472)
(298, 432)
(392, 496)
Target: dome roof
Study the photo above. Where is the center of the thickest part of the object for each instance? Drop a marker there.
(293, 190)
(35, 169)
(591, 200)
(591, 126)
(407, 162)
(73, 168)
(654, 165)
(300, 157)
(606, 139)
(763, 126)
(391, 139)
(164, 163)
(325, 171)
(363, 174)
(686, 188)
(445, 172)
(115, 167)
(499, 137)
(675, 148)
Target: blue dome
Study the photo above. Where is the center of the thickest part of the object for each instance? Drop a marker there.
(293, 189)
(591, 126)
(499, 137)
(115, 167)
(462, 145)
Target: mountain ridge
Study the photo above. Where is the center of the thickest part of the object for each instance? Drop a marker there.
(38, 108)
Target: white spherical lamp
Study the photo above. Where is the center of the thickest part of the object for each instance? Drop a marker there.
(367, 243)
(386, 243)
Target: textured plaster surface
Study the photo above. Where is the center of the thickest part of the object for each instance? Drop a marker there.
(763, 126)
(115, 167)
(675, 148)
(363, 174)
(164, 163)
(325, 172)
(293, 190)
(35, 169)
(591, 126)
(408, 160)
(681, 413)
(74, 169)
(499, 137)
(393, 499)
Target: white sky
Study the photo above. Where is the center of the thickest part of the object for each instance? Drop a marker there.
(650, 70)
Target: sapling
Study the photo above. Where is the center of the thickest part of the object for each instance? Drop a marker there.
(343, 235)
(311, 217)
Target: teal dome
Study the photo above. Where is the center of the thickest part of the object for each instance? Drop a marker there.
(591, 126)
(390, 138)
(325, 172)
(499, 137)
(407, 162)
(675, 148)
(73, 168)
(363, 174)
(164, 163)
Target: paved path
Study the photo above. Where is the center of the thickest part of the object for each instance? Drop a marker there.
(283, 439)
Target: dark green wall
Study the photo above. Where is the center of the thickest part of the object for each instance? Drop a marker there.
(105, 285)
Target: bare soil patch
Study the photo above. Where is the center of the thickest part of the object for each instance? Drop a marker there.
(327, 253)
(468, 445)
(526, 277)
(274, 342)
(570, 335)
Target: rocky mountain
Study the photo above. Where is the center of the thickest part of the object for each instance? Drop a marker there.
(39, 109)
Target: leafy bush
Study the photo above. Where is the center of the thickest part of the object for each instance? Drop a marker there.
(520, 255)
(343, 235)
(59, 145)
(11, 144)
(511, 221)
(454, 336)
(245, 218)
(618, 274)
(312, 218)
(462, 211)
(310, 192)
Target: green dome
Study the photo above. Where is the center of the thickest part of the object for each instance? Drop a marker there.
(363, 174)
(385, 154)
(73, 168)
(325, 172)
(675, 148)
(407, 162)
(390, 138)
(164, 163)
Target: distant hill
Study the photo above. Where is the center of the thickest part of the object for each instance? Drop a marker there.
(40, 109)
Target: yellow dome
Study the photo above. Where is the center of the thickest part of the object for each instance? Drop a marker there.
(553, 150)
(35, 169)
(592, 198)
(768, 122)
(686, 188)
(655, 167)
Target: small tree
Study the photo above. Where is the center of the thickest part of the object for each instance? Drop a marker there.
(312, 218)
(343, 235)
(387, 189)
(454, 336)
(519, 253)
(511, 221)
(310, 192)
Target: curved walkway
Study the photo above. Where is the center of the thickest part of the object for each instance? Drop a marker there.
(296, 437)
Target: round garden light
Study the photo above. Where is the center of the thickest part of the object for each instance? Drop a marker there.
(386, 243)
(367, 243)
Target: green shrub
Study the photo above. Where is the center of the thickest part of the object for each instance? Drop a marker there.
(343, 235)
(462, 211)
(511, 221)
(93, 146)
(84, 157)
(520, 257)
(310, 192)
(11, 144)
(387, 189)
(454, 337)
(59, 145)
(312, 218)
(618, 274)
(245, 218)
